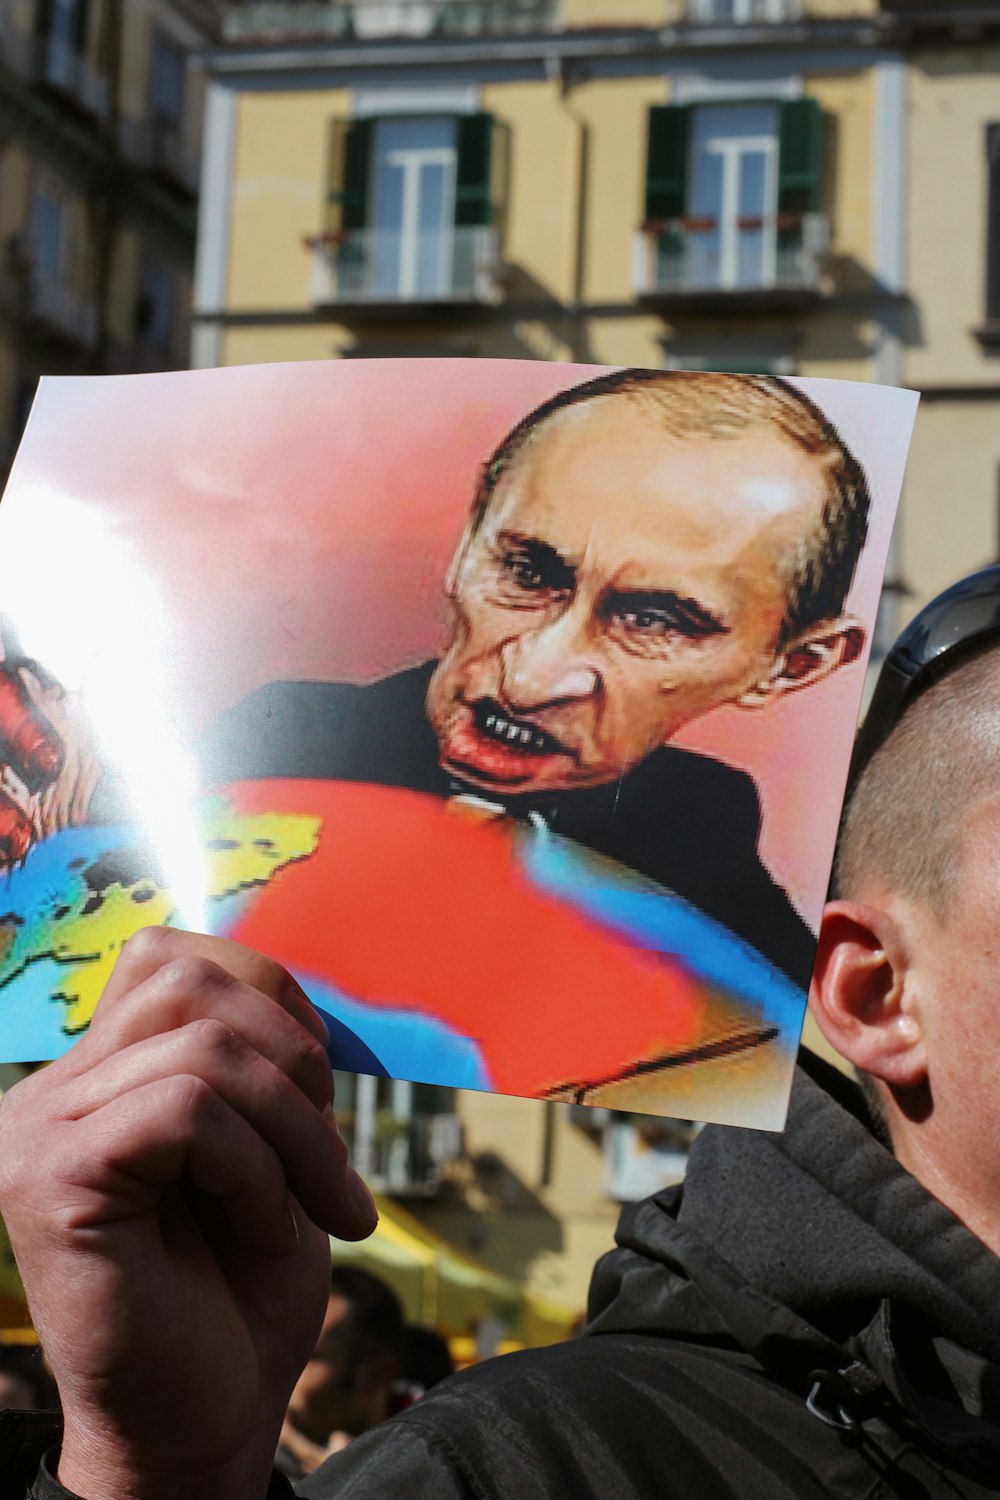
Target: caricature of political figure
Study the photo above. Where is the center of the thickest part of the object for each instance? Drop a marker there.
(641, 549)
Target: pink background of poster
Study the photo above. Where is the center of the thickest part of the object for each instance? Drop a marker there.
(297, 520)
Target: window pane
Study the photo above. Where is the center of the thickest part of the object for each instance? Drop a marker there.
(413, 193)
(62, 21)
(168, 80)
(47, 233)
(158, 306)
(732, 181)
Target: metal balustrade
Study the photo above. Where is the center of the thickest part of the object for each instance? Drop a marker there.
(384, 18)
(62, 66)
(162, 145)
(407, 1156)
(752, 254)
(63, 307)
(386, 265)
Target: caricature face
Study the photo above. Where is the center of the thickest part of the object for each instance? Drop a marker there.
(621, 582)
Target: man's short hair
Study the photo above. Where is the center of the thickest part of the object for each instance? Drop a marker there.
(696, 403)
(375, 1321)
(904, 826)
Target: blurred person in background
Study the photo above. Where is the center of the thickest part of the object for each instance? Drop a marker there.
(25, 1384)
(426, 1362)
(348, 1385)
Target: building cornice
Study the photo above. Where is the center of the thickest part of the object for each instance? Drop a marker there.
(561, 50)
(550, 49)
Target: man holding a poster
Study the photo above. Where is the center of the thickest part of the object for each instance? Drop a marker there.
(814, 1315)
(642, 549)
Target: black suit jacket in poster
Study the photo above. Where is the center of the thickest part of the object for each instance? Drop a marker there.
(686, 821)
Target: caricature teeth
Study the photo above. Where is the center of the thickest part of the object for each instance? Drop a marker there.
(490, 721)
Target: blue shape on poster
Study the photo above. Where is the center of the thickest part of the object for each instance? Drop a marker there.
(394, 1043)
(658, 920)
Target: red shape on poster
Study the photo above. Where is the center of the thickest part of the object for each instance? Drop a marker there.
(409, 904)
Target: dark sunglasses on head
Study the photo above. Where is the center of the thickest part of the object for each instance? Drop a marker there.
(964, 617)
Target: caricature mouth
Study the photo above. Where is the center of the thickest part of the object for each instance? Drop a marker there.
(490, 746)
(495, 723)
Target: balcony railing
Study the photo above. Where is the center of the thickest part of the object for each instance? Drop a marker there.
(698, 256)
(386, 266)
(62, 308)
(256, 20)
(406, 1156)
(60, 66)
(162, 145)
(743, 12)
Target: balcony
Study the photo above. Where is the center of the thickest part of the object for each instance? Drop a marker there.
(374, 20)
(62, 68)
(161, 145)
(743, 12)
(406, 1156)
(756, 261)
(62, 309)
(388, 270)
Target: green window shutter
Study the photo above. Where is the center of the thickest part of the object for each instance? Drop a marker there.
(473, 169)
(350, 150)
(666, 161)
(800, 156)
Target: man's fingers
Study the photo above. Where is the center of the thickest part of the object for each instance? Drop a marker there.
(306, 1140)
(150, 949)
(179, 1129)
(190, 988)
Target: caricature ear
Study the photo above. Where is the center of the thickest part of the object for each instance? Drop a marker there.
(808, 660)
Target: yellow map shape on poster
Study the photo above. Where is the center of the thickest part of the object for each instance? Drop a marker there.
(99, 906)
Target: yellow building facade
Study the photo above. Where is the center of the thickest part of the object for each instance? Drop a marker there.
(787, 186)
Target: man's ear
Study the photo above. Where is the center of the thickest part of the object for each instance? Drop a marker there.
(808, 660)
(861, 994)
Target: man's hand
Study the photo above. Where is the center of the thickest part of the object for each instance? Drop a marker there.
(168, 1186)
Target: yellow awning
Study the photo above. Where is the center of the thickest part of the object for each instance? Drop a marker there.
(446, 1289)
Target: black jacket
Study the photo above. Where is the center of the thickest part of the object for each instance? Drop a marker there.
(801, 1320)
(684, 820)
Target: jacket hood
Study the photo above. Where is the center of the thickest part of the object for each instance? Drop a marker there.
(794, 1247)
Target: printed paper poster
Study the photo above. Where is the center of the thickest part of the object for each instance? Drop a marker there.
(508, 704)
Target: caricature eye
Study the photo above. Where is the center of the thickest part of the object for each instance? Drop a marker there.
(523, 571)
(653, 622)
(648, 621)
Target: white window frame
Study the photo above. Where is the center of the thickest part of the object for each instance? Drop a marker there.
(731, 150)
(412, 161)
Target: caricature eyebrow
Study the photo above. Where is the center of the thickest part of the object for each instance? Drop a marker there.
(691, 617)
(556, 569)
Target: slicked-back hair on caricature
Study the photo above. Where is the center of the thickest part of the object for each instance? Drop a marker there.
(725, 406)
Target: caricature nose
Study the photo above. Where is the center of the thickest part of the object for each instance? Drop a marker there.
(547, 666)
